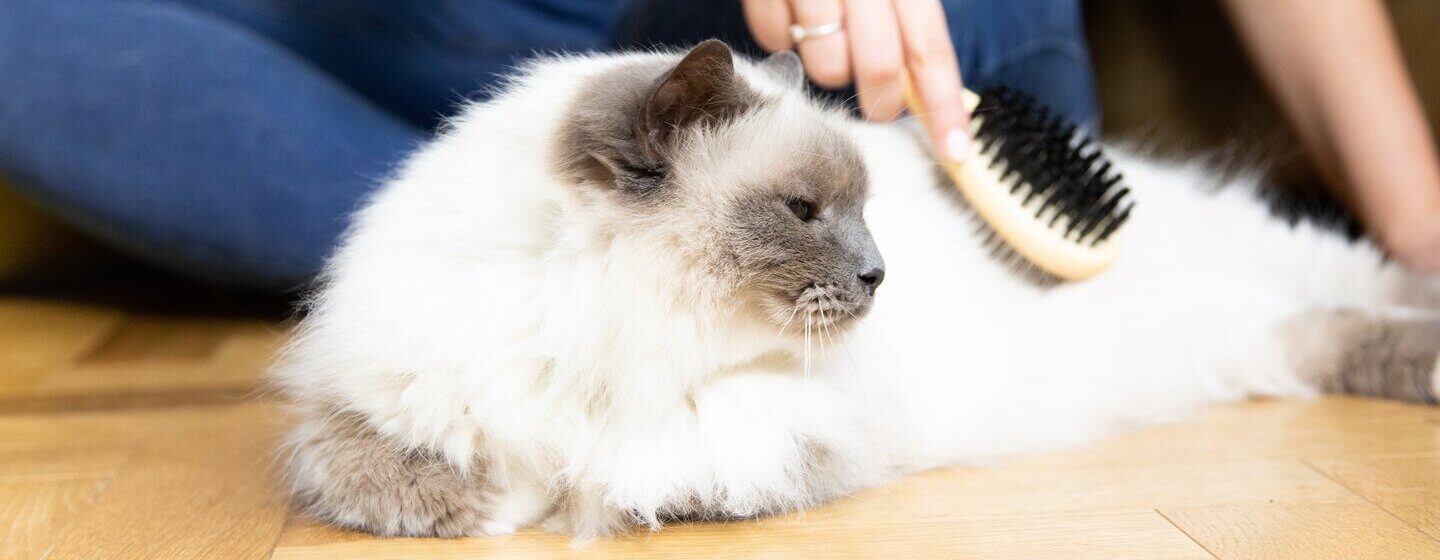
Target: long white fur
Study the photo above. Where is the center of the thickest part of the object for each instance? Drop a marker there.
(572, 364)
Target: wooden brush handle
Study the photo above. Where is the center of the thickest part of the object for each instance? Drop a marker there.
(917, 106)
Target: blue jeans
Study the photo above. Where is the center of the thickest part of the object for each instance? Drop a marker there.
(230, 140)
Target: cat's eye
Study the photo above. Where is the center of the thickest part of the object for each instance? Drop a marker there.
(802, 209)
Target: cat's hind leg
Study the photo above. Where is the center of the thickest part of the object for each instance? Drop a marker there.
(1370, 354)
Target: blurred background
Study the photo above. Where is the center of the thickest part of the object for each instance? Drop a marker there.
(1172, 78)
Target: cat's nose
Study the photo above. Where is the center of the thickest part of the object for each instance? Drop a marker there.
(872, 278)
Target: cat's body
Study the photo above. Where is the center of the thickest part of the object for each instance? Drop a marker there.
(524, 327)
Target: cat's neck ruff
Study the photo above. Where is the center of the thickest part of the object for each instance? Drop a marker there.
(618, 312)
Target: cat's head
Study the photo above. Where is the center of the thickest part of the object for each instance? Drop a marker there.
(745, 181)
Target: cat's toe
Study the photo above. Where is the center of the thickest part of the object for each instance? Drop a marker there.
(455, 520)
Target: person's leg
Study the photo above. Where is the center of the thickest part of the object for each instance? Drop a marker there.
(188, 141)
(680, 24)
(420, 58)
(1037, 46)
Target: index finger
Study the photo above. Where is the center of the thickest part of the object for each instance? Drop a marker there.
(935, 74)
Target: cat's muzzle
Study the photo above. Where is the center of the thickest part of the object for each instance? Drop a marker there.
(828, 305)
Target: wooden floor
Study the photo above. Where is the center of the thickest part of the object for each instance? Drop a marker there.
(130, 433)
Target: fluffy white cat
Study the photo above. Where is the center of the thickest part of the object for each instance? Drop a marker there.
(639, 287)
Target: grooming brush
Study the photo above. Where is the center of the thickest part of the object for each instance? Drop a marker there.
(1049, 199)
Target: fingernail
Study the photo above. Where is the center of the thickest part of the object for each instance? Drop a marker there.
(957, 145)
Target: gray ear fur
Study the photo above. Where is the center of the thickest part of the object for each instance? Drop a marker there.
(786, 67)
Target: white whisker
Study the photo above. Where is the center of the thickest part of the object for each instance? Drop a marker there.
(843, 347)
(824, 323)
(808, 320)
(793, 311)
(825, 332)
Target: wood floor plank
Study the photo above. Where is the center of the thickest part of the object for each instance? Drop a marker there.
(1281, 430)
(88, 430)
(1309, 531)
(1029, 512)
(37, 336)
(1408, 487)
(199, 491)
(45, 334)
(61, 464)
(1037, 487)
(131, 400)
(144, 338)
(127, 436)
(18, 381)
(34, 513)
(224, 355)
(232, 367)
(121, 379)
(1139, 534)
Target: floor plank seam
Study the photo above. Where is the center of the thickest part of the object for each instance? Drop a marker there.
(285, 526)
(1187, 534)
(1369, 501)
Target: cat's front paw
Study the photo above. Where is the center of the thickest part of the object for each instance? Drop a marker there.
(749, 445)
(343, 472)
(779, 443)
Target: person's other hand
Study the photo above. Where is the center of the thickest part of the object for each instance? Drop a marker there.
(878, 43)
(1412, 237)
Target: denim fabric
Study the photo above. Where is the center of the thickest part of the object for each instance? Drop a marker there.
(230, 140)
(1037, 46)
(418, 58)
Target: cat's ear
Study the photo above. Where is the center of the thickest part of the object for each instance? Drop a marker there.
(786, 67)
(701, 88)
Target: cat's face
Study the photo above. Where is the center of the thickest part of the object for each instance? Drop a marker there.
(759, 192)
(792, 237)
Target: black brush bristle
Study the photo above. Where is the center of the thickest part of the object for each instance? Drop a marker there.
(1001, 252)
(1039, 151)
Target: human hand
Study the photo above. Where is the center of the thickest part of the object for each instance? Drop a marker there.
(875, 43)
(1340, 76)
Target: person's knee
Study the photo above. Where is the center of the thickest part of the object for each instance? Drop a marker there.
(989, 30)
(1017, 19)
(1037, 46)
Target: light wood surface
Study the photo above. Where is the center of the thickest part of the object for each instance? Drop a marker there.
(126, 434)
